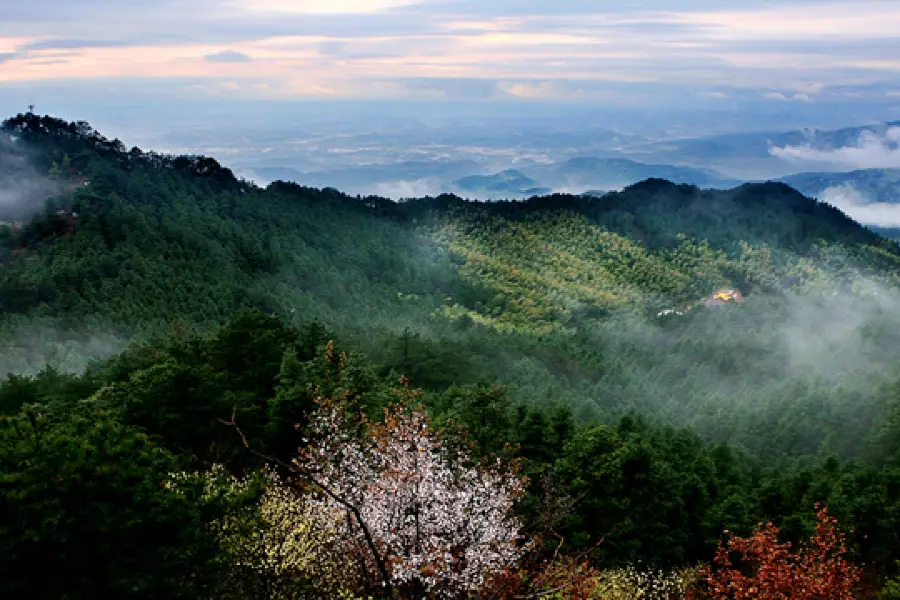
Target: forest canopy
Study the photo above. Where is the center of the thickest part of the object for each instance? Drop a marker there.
(157, 311)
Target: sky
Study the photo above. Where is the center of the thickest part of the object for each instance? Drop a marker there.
(604, 52)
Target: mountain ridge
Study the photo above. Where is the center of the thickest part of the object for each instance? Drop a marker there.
(556, 292)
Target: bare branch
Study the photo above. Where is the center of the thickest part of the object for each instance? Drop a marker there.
(296, 469)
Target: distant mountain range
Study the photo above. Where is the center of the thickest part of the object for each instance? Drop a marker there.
(467, 179)
(856, 169)
(767, 155)
(420, 178)
(506, 184)
(874, 185)
(580, 174)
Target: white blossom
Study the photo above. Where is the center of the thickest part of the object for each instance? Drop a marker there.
(441, 520)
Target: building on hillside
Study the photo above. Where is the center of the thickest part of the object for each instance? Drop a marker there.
(724, 296)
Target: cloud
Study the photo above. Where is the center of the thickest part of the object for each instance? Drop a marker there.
(854, 204)
(543, 89)
(71, 44)
(227, 56)
(524, 48)
(784, 98)
(322, 6)
(400, 190)
(872, 151)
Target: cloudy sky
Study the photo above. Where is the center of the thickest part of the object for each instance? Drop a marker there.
(761, 64)
(604, 52)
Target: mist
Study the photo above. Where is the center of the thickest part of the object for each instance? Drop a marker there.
(403, 189)
(873, 150)
(860, 208)
(23, 188)
(29, 347)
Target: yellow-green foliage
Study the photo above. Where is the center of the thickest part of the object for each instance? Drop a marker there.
(282, 540)
(287, 542)
(546, 267)
(630, 584)
(542, 268)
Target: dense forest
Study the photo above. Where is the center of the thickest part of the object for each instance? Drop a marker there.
(219, 390)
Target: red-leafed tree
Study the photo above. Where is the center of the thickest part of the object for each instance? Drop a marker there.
(766, 569)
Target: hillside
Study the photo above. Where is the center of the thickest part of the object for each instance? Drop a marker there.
(505, 185)
(556, 296)
(577, 334)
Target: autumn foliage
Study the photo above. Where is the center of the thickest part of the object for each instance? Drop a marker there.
(561, 578)
(766, 569)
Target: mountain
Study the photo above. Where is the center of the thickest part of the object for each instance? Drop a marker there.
(407, 179)
(402, 179)
(560, 288)
(507, 184)
(580, 174)
(663, 363)
(871, 196)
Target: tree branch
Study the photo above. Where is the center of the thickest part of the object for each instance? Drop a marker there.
(295, 469)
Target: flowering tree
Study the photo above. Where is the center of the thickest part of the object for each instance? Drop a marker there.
(819, 571)
(427, 519)
(421, 517)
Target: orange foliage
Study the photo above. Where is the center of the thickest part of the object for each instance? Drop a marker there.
(768, 570)
(565, 578)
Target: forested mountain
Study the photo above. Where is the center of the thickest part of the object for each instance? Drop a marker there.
(583, 329)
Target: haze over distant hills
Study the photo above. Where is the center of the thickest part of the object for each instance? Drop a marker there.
(423, 160)
(769, 155)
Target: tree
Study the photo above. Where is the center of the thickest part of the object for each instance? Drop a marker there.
(818, 571)
(84, 513)
(440, 520)
(273, 544)
(421, 518)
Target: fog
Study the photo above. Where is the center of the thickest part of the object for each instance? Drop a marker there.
(23, 188)
(873, 150)
(859, 207)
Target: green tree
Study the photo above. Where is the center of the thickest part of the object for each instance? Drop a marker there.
(85, 513)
